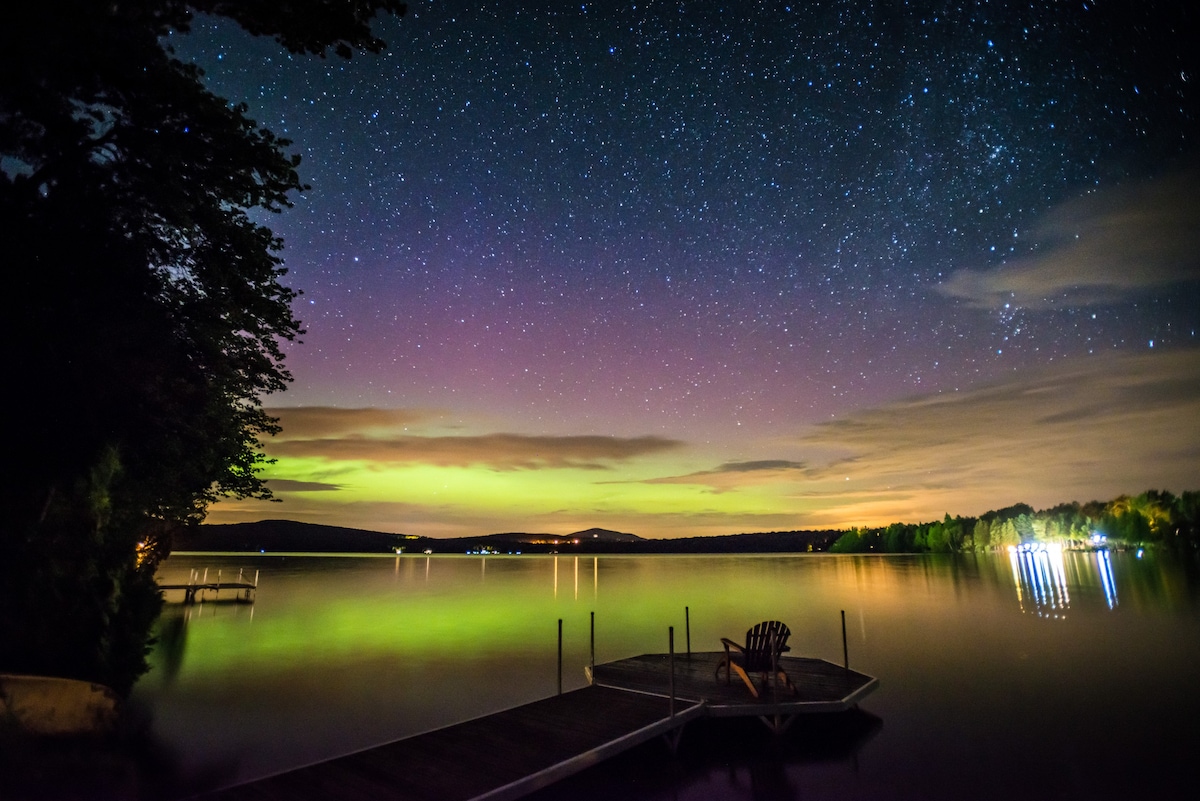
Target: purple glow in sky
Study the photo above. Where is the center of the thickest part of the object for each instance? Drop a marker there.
(844, 263)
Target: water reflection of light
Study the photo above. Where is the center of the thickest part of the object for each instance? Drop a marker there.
(1040, 575)
(1106, 577)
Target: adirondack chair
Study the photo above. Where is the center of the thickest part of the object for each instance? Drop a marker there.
(765, 642)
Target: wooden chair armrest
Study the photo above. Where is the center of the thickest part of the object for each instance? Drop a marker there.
(731, 644)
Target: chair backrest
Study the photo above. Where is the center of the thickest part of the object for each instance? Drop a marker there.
(764, 641)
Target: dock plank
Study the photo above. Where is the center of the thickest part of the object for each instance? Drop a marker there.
(512, 753)
(501, 756)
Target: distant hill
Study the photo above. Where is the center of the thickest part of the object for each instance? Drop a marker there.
(605, 535)
(288, 535)
(593, 535)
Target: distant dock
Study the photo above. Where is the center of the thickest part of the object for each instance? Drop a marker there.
(198, 586)
(509, 754)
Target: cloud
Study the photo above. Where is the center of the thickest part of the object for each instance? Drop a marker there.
(1102, 248)
(498, 451)
(1084, 429)
(735, 475)
(1109, 425)
(288, 485)
(301, 422)
(756, 466)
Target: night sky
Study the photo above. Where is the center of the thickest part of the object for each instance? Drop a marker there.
(682, 268)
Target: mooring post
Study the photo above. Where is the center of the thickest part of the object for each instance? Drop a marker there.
(687, 623)
(592, 662)
(560, 656)
(845, 652)
(671, 659)
(256, 579)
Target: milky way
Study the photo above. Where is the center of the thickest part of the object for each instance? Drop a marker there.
(723, 226)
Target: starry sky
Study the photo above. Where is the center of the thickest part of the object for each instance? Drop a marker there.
(682, 268)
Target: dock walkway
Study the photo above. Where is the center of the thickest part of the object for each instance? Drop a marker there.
(243, 591)
(512, 753)
(501, 756)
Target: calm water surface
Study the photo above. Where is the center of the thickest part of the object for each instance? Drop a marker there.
(1001, 676)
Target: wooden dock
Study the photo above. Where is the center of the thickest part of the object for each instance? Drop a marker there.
(197, 586)
(505, 755)
(512, 753)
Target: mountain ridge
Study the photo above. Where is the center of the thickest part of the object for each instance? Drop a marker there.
(266, 536)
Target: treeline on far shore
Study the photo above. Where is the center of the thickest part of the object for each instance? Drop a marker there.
(1153, 518)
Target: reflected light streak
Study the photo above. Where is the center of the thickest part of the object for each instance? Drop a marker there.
(1039, 569)
(1106, 577)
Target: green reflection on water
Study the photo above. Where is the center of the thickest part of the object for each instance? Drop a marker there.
(342, 653)
(330, 609)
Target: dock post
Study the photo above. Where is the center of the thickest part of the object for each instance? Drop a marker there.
(256, 579)
(218, 583)
(687, 623)
(560, 656)
(671, 659)
(845, 653)
(592, 663)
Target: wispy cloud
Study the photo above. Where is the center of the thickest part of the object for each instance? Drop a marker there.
(1088, 429)
(304, 422)
(759, 466)
(498, 451)
(736, 475)
(1110, 425)
(1104, 247)
(289, 485)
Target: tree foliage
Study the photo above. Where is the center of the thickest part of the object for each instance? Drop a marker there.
(1155, 517)
(147, 309)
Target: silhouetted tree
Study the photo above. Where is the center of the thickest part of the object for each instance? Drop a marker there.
(145, 312)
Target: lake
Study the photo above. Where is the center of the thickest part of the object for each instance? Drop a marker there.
(1042, 675)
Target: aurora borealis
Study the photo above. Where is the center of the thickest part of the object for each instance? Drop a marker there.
(677, 268)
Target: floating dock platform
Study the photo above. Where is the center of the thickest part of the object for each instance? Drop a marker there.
(509, 754)
(820, 686)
